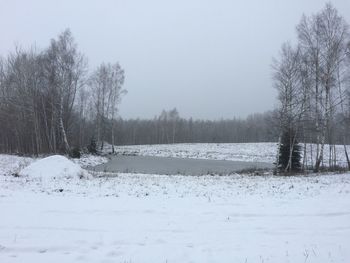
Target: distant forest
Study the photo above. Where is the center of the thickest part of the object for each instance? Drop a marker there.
(169, 127)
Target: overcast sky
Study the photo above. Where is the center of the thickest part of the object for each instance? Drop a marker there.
(210, 59)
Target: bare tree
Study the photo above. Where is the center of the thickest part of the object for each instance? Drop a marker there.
(292, 96)
(65, 68)
(318, 77)
(106, 84)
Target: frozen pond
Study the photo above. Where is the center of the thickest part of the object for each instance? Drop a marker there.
(169, 165)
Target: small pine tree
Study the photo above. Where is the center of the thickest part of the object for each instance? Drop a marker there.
(92, 147)
(75, 153)
(285, 150)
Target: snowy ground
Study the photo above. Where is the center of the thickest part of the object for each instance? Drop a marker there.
(12, 164)
(88, 160)
(250, 152)
(153, 218)
(254, 152)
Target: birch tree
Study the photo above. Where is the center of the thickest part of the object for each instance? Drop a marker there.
(287, 81)
(106, 84)
(323, 40)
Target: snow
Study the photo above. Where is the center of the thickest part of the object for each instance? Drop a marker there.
(88, 160)
(159, 218)
(12, 164)
(255, 152)
(249, 152)
(55, 166)
(153, 218)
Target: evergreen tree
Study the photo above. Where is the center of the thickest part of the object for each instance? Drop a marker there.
(92, 147)
(289, 153)
(75, 153)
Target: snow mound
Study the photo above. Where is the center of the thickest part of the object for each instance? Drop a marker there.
(56, 166)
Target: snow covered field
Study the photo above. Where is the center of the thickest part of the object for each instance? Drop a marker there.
(255, 152)
(250, 152)
(154, 218)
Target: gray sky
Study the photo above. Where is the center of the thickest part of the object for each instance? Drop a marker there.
(210, 59)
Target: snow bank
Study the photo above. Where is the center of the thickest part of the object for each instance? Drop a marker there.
(56, 166)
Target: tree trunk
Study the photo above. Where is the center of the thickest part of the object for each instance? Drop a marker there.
(324, 128)
(66, 147)
(347, 157)
(112, 135)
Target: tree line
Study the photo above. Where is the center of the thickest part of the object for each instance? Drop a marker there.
(169, 127)
(48, 98)
(313, 83)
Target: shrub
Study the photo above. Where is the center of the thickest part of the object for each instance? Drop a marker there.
(92, 147)
(75, 153)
